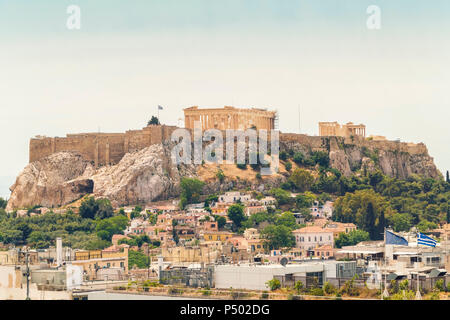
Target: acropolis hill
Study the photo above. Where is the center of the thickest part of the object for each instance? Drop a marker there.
(135, 166)
(109, 148)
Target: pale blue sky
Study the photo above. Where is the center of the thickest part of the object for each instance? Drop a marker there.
(130, 56)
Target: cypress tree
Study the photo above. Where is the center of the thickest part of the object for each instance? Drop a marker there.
(369, 222)
(381, 225)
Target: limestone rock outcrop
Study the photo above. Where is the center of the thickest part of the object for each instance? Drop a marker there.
(143, 176)
(51, 182)
(64, 177)
(339, 160)
(149, 174)
(348, 155)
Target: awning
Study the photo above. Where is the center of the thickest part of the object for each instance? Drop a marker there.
(406, 253)
(395, 276)
(361, 251)
(438, 273)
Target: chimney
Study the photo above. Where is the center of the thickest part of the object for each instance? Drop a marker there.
(59, 252)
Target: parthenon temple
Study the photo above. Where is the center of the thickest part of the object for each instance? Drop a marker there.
(230, 118)
(345, 130)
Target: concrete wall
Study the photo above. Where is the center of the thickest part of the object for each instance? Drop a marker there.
(255, 277)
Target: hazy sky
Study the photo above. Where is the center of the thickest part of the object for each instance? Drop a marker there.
(130, 56)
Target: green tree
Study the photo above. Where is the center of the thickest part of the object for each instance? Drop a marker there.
(287, 219)
(220, 175)
(153, 121)
(283, 155)
(369, 221)
(351, 238)
(236, 214)
(92, 208)
(191, 190)
(302, 179)
(282, 196)
(366, 209)
(106, 228)
(288, 166)
(278, 236)
(3, 203)
(221, 221)
(321, 158)
(273, 284)
(299, 287)
(88, 208)
(424, 226)
(401, 222)
(138, 259)
(298, 158)
(305, 200)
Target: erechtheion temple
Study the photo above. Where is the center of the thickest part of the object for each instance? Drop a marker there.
(230, 118)
(345, 130)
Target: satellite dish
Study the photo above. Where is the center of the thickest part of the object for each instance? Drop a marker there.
(284, 261)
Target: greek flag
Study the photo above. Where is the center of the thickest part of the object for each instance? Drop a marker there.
(425, 240)
(159, 107)
(392, 238)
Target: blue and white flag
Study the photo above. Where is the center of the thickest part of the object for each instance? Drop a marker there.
(425, 240)
(392, 238)
(159, 107)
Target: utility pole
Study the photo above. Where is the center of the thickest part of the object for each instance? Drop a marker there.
(149, 261)
(299, 131)
(28, 275)
(385, 292)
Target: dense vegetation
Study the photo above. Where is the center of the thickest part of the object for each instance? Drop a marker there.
(91, 229)
(371, 200)
(138, 259)
(191, 189)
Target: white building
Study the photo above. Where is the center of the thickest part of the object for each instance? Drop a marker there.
(310, 237)
(255, 277)
(322, 211)
(233, 197)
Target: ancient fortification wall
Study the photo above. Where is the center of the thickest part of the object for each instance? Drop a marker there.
(109, 148)
(336, 143)
(100, 148)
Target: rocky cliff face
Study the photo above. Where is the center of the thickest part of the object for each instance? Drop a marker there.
(143, 176)
(149, 174)
(349, 155)
(51, 182)
(63, 177)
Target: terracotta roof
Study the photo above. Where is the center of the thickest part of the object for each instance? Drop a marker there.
(324, 247)
(312, 229)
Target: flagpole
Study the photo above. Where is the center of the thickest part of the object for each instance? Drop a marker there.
(385, 260)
